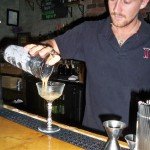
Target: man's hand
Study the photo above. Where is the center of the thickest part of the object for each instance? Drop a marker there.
(44, 52)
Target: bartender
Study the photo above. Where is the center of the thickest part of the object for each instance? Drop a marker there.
(114, 50)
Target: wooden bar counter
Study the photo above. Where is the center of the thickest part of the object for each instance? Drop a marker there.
(15, 136)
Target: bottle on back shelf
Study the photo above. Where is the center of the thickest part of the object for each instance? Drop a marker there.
(62, 105)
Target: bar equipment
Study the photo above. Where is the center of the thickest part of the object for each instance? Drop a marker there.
(143, 126)
(51, 92)
(114, 129)
(19, 57)
(130, 138)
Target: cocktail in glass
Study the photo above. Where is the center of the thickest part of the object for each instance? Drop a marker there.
(50, 92)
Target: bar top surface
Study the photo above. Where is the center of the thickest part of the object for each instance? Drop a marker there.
(15, 136)
(17, 132)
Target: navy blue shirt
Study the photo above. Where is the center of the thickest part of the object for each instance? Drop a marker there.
(114, 73)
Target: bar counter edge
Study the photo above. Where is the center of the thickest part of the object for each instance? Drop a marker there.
(71, 128)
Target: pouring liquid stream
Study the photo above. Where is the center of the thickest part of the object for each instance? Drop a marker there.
(48, 94)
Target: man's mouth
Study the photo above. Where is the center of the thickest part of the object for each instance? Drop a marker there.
(118, 17)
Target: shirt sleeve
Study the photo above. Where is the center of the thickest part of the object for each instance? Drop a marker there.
(71, 43)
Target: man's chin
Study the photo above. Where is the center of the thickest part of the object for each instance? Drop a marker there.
(119, 24)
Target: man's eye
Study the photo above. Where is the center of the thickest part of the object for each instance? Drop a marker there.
(127, 1)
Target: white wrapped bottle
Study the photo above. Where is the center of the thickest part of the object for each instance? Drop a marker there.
(19, 57)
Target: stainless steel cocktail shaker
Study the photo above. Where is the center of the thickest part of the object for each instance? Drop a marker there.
(143, 126)
(19, 57)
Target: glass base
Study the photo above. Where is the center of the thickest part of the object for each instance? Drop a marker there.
(53, 129)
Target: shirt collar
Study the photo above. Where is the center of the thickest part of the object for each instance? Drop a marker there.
(144, 29)
(106, 30)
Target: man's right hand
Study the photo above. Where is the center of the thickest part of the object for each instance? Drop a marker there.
(44, 51)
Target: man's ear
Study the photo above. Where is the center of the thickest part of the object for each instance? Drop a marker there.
(144, 3)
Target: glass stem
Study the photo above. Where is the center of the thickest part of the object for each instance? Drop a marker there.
(49, 118)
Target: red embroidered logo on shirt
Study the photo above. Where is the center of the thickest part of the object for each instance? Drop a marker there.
(146, 53)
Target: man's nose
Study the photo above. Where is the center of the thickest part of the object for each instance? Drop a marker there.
(118, 6)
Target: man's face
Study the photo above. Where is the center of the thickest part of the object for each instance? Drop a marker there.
(123, 12)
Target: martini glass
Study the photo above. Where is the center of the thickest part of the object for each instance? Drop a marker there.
(51, 92)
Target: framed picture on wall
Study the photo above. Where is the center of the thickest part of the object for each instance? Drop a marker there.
(12, 17)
